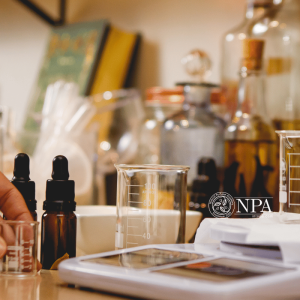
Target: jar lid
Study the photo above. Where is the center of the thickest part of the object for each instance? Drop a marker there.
(216, 96)
(160, 95)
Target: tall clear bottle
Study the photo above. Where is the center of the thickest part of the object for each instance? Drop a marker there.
(280, 28)
(277, 22)
(250, 141)
(232, 48)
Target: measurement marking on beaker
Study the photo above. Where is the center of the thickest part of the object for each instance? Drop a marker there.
(133, 234)
(134, 185)
(132, 243)
(132, 226)
(290, 179)
(289, 202)
(133, 193)
(133, 218)
(135, 202)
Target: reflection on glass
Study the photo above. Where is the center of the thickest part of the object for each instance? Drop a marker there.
(146, 258)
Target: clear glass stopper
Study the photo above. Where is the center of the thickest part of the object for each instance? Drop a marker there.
(197, 64)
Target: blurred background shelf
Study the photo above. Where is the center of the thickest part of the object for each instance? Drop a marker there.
(170, 28)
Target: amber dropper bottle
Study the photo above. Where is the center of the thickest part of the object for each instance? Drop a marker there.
(22, 182)
(58, 238)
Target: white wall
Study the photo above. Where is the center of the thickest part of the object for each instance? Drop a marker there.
(170, 29)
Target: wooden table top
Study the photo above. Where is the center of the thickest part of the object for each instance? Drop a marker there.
(47, 286)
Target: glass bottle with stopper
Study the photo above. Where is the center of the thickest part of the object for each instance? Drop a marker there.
(194, 132)
(280, 28)
(197, 65)
(276, 22)
(232, 42)
(250, 144)
(58, 238)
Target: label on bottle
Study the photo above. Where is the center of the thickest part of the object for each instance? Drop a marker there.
(58, 261)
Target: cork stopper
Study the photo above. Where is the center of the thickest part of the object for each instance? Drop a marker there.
(252, 54)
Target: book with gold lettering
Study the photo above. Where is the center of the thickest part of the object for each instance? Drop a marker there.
(72, 55)
(95, 56)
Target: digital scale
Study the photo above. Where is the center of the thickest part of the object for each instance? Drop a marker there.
(180, 271)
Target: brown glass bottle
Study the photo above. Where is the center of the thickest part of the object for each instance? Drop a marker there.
(58, 237)
(22, 182)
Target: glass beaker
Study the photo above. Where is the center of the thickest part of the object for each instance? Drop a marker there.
(21, 239)
(289, 179)
(151, 205)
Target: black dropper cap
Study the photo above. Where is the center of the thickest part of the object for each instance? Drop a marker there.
(22, 182)
(207, 176)
(60, 192)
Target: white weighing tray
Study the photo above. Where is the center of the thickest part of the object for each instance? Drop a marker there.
(178, 272)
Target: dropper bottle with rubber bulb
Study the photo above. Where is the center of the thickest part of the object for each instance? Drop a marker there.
(22, 182)
(58, 238)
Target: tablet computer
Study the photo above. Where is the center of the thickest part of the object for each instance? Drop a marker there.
(173, 272)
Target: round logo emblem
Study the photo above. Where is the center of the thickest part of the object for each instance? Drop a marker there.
(221, 205)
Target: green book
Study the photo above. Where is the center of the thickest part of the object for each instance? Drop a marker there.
(72, 55)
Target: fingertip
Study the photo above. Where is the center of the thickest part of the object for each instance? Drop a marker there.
(2, 247)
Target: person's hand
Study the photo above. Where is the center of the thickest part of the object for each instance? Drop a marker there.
(12, 206)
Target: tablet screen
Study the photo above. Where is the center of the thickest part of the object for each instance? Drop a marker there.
(223, 269)
(146, 258)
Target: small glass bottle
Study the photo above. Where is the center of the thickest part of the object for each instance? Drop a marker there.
(195, 131)
(232, 49)
(22, 182)
(58, 237)
(250, 141)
